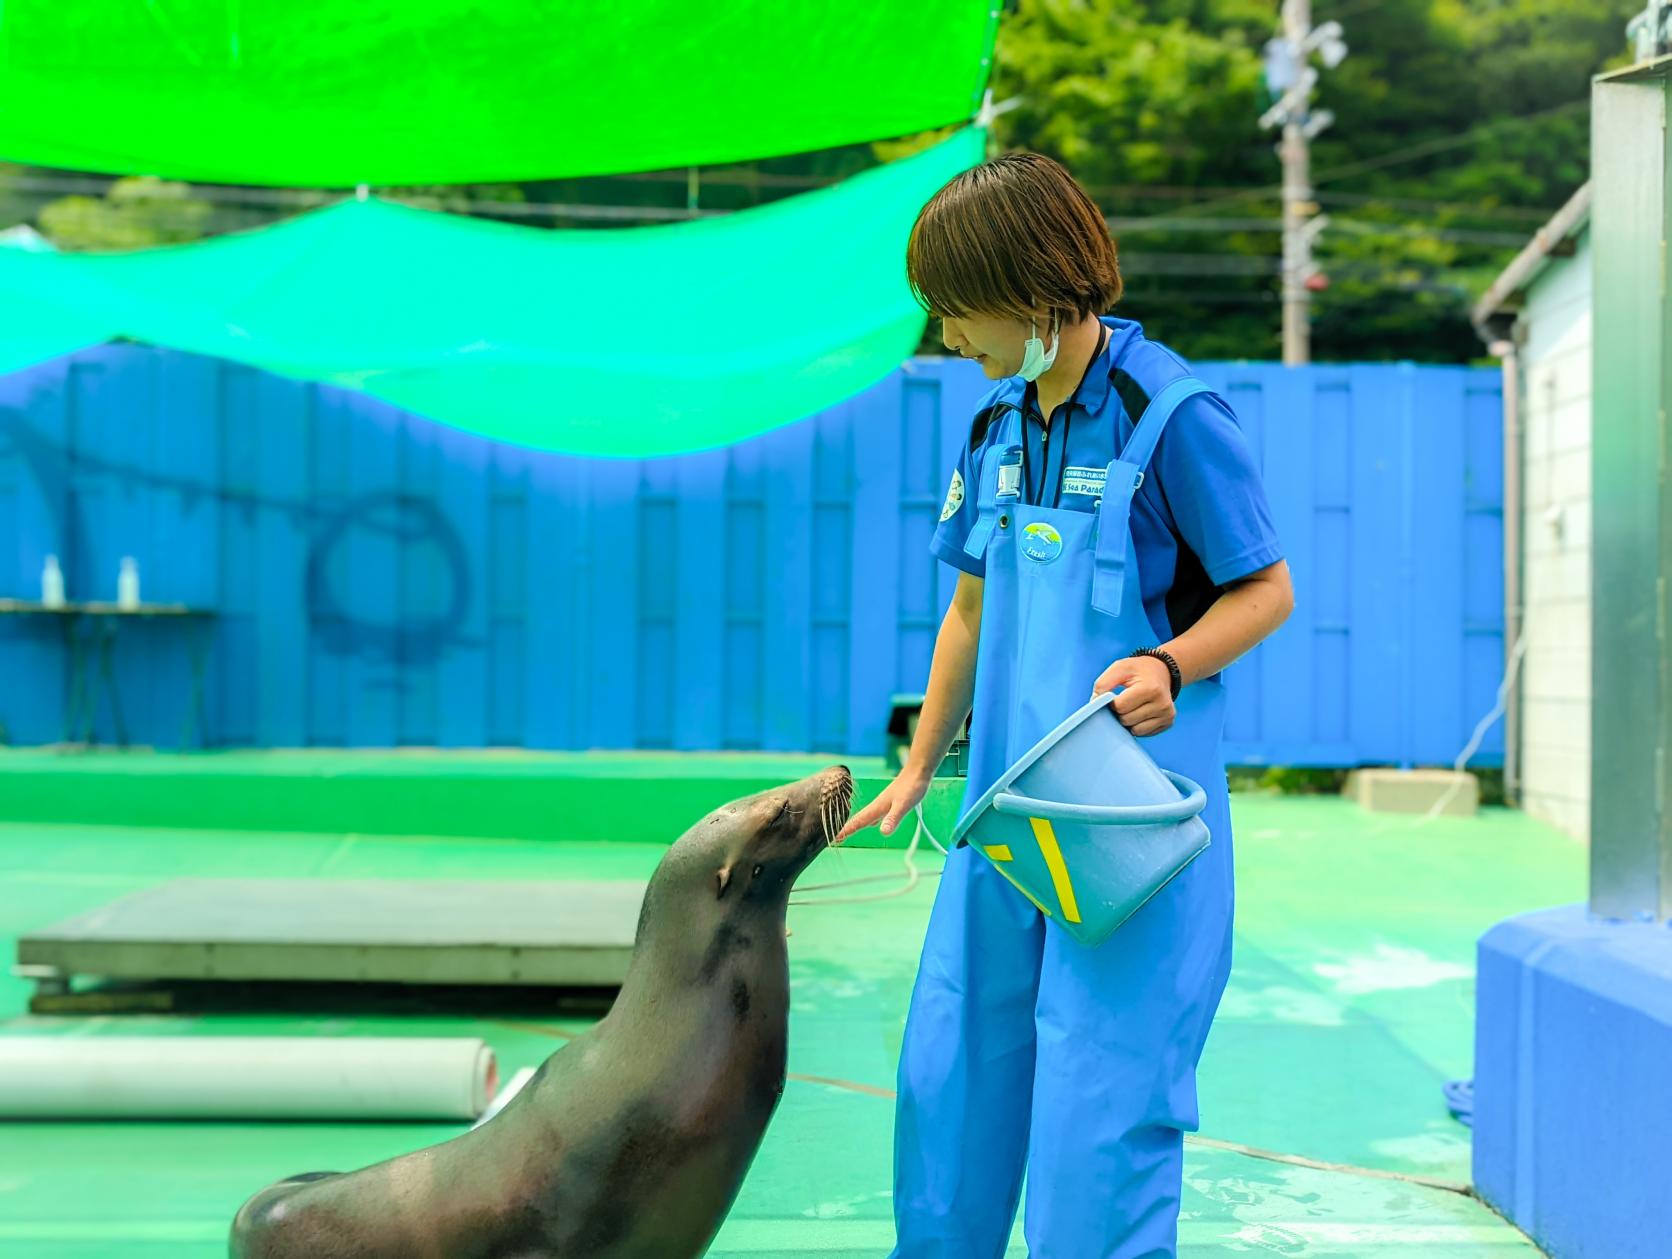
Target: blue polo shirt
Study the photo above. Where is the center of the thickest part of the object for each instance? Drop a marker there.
(1200, 520)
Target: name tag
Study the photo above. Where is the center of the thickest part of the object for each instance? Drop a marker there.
(1087, 481)
(1010, 473)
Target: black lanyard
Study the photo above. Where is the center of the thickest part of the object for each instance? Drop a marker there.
(1028, 495)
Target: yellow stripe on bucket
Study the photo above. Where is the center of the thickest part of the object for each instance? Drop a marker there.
(1059, 872)
(999, 852)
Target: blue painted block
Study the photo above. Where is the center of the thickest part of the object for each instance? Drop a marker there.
(1573, 1082)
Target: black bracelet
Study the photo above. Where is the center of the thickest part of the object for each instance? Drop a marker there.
(1176, 677)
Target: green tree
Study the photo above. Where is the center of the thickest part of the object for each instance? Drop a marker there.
(1460, 125)
(1125, 96)
(15, 207)
(133, 214)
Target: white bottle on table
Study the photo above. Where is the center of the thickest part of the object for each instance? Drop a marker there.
(127, 585)
(52, 583)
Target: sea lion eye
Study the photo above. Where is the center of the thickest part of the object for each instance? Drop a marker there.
(757, 873)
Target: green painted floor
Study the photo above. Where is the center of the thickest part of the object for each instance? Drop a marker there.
(1350, 1005)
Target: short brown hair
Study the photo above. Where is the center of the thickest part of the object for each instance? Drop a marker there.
(1009, 236)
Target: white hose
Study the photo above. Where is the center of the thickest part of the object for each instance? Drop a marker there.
(245, 1077)
(1485, 724)
(912, 875)
(1459, 765)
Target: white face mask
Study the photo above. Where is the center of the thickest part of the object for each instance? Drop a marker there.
(1036, 360)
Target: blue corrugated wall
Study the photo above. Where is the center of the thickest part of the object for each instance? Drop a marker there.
(379, 580)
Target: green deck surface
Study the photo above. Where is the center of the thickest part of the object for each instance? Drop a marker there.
(1350, 1005)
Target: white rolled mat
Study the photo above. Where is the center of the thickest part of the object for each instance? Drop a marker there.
(245, 1077)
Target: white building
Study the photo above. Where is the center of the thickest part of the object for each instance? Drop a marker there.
(1537, 317)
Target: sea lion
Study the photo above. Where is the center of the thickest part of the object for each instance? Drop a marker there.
(632, 1141)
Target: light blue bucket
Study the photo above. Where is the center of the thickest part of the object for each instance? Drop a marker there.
(1086, 825)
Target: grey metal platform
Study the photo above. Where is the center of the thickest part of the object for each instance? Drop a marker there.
(559, 934)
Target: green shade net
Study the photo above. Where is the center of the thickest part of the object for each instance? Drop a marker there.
(640, 341)
(333, 93)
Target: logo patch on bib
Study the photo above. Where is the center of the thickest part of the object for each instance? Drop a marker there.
(1041, 542)
(954, 496)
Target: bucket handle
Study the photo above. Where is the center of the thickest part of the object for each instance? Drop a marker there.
(1194, 800)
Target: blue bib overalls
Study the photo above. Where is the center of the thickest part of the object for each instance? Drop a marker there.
(1025, 1050)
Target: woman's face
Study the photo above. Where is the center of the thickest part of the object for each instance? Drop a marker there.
(994, 341)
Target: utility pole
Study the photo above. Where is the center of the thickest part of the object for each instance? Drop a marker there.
(1651, 30)
(1298, 208)
(1291, 78)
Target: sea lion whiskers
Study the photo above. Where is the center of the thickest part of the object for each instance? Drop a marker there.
(834, 801)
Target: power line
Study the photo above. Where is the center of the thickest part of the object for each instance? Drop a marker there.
(1385, 160)
(1416, 151)
(1411, 231)
(1203, 264)
(165, 213)
(1215, 297)
(1353, 10)
(1361, 227)
(727, 177)
(1157, 226)
(1273, 191)
(293, 200)
(1525, 214)
(301, 199)
(297, 200)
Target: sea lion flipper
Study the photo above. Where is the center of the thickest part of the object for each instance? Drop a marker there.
(254, 1217)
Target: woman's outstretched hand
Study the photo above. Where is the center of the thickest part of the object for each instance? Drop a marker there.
(896, 800)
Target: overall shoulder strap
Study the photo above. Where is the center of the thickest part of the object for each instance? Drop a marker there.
(1149, 426)
(987, 509)
(1125, 475)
